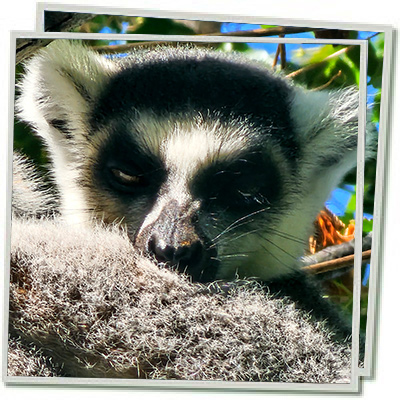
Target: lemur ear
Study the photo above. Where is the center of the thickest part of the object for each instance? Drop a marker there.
(60, 84)
(326, 119)
(328, 123)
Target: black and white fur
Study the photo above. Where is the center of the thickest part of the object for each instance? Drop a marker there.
(214, 165)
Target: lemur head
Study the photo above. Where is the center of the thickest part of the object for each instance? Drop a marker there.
(214, 165)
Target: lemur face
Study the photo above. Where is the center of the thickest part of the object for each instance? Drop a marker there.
(195, 193)
(214, 166)
(200, 175)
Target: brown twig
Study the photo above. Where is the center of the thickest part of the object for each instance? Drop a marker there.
(312, 66)
(55, 22)
(280, 51)
(27, 47)
(283, 53)
(58, 21)
(333, 55)
(275, 62)
(338, 263)
(325, 85)
(280, 30)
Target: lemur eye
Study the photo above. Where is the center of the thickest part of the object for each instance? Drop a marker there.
(125, 178)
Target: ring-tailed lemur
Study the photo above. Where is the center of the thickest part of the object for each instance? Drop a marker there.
(213, 164)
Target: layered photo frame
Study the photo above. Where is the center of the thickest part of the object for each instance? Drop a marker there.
(196, 207)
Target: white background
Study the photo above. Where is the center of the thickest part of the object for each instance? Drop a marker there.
(21, 15)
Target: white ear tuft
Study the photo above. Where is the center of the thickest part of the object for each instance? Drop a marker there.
(60, 83)
(327, 122)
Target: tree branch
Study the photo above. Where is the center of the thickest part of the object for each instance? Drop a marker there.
(280, 30)
(333, 265)
(333, 55)
(336, 257)
(312, 66)
(275, 31)
(55, 22)
(283, 53)
(275, 62)
(325, 85)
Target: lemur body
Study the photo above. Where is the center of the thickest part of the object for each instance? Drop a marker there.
(214, 165)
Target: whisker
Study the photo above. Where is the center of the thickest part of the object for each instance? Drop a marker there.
(201, 274)
(278, 259)
(228, 240)
(232, 256)
(278, 247)
(231, 229)
(287, 236)
(232, 225)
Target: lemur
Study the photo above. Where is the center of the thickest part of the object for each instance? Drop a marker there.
(215, 166)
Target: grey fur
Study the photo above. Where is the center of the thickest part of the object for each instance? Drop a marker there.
(25, 359)
(83, 303)
(30, 197)
(93, 308)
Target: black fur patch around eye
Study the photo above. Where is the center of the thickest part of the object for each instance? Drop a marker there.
(121, 153)
(249, 183)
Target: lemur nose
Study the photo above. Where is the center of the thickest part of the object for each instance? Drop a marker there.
(182, 255)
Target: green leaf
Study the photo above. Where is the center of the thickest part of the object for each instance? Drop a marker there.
(367, 225)
(376, 108)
